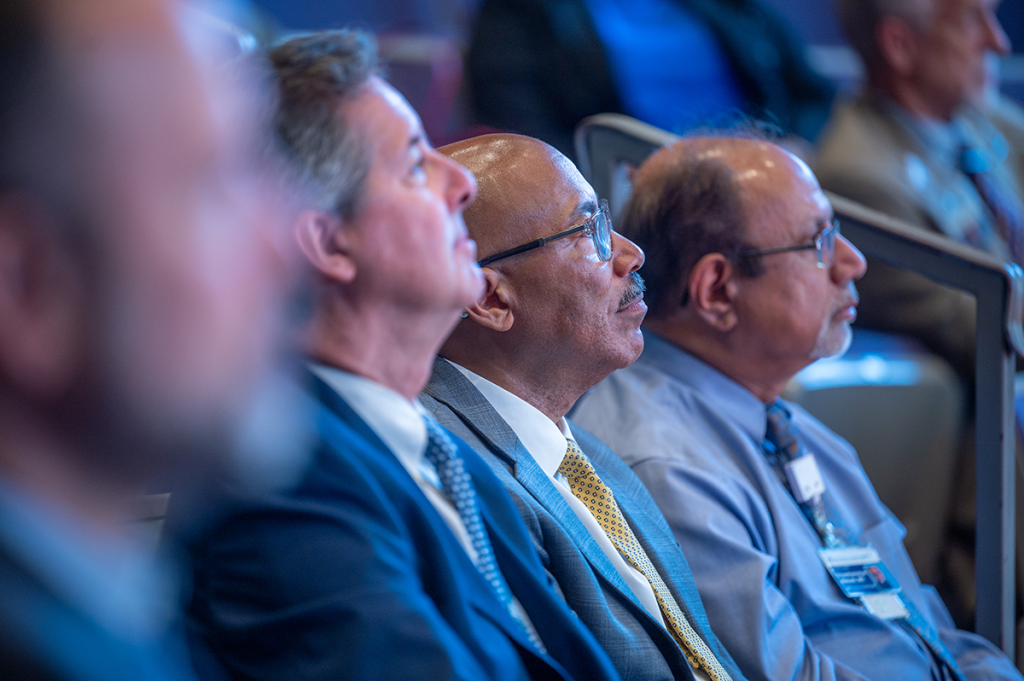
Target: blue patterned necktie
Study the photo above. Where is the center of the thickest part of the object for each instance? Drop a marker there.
(457, 485)
(783, 446)
(1005, 207)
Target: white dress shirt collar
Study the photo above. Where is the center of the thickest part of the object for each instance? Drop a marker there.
(547, 444)
(545, 440)
(397, 420)
(399, 423)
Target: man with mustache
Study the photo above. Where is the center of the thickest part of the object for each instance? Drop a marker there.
(561, 310)
(750, 281)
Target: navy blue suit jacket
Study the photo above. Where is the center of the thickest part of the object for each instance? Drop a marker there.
(353, 574)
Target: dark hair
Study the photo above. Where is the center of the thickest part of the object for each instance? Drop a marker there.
(317, 74)
(689, 208)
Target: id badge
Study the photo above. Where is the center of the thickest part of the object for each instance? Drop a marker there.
(861, 574)
(805, 481)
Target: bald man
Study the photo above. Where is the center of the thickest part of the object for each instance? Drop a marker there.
(561, 310)
(135, 287)
(750, 283)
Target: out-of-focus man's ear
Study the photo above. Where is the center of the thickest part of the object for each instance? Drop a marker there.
(494, 311)
(712, 289)
(43, 302)
(897, 42)
(325, 243)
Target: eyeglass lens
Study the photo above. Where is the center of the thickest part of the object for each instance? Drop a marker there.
(603, 232)
(825, 243)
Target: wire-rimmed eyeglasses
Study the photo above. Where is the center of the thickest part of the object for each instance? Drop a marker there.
(824, 243)
(599, 226)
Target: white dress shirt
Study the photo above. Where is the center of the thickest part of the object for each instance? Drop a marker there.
(398, 422)
(547, 444)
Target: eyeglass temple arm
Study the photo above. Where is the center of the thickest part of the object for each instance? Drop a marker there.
(529, 246)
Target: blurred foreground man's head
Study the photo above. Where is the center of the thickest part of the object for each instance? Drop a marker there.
(563, 303)
(746, 268)
(927, 55)
(136, 285)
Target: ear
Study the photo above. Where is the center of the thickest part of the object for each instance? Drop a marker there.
(326, 244)
(43, 303)
(897, 42)
(495, 310)
(712, 289)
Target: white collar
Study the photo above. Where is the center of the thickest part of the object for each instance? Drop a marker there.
(545, 441)
(397, 420)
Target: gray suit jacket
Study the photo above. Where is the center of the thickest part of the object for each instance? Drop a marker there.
(640, 648)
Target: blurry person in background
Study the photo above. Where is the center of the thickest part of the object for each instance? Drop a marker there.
(539, 67)
(930, 142)
(137, 301)
(916, 145)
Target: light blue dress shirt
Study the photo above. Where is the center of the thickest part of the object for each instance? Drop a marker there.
(694, 438)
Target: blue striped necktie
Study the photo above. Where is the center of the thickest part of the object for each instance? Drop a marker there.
(458, 486)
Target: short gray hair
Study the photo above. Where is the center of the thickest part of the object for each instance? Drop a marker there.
(316, 75)
(860, 18)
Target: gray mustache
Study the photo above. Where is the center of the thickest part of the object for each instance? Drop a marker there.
(635, 290)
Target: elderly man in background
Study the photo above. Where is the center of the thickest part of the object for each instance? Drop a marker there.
(801, 568)
(396, 554)
(917, 145)
(929, 142)
(562, 309)
(135, 291)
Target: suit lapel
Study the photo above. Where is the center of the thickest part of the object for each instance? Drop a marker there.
(477, 592)
(660, 547)
(449, 387)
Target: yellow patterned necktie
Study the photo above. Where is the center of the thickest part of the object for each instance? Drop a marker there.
(589, 489)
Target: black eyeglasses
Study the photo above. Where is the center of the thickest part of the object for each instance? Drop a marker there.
(599, 226)
(824, 243)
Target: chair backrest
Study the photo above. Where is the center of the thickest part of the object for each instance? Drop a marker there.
(608, 145)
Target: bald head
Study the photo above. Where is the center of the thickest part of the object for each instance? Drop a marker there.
(516, 178)
(707, 195)
(554, 320)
